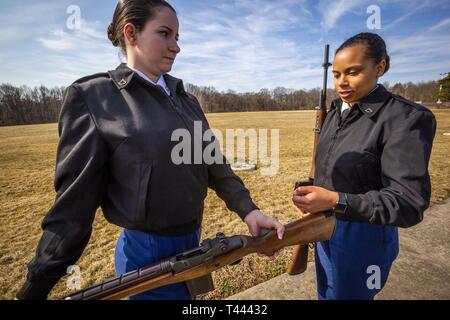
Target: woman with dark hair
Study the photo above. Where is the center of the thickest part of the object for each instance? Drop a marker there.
(115, 153)
(371, 172)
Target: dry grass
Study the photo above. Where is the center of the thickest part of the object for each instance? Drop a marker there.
(26, 193)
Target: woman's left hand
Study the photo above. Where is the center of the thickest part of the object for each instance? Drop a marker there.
(258, 224)
(312, 199)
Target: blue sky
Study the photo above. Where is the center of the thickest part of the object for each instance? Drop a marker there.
(243, 45)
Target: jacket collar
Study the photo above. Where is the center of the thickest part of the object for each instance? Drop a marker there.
(123, 76)
(370, 104)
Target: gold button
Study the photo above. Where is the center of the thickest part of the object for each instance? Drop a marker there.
(122, 82)
(368, 110)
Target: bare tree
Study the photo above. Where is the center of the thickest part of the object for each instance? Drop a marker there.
(25, 105)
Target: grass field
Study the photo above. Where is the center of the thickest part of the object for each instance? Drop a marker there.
(27, 162)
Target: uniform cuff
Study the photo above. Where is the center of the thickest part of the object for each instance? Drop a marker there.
(36, 289)
(355, 211)
(245, 206)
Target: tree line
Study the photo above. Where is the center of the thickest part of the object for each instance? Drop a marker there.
(444, 89)
(25, 105)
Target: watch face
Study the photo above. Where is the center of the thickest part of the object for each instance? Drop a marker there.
(340, 208)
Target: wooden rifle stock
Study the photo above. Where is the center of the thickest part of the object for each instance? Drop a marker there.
(212, 255)
(299, 259)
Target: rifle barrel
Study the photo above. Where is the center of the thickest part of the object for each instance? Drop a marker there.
(312, 228)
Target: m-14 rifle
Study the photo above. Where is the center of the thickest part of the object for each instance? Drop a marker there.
(300, 253)
(195, 266)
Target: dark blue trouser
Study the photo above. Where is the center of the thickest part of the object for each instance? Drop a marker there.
(346, 264)
(137, 249)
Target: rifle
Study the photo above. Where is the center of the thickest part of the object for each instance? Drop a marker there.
(198, 263)
(300, 253)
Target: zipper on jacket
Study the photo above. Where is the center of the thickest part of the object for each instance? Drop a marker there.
(176, 108)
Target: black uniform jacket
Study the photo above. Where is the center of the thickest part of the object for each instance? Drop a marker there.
(379, 156)
(115, 153)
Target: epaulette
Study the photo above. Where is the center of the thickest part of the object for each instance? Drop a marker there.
(408, 102)
(91, 77)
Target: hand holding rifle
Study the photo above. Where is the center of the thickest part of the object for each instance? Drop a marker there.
(195, 266)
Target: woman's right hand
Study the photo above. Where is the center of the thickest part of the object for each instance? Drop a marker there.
(313, 199)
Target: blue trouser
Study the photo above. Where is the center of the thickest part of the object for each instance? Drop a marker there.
(137, 249)
(346, 264)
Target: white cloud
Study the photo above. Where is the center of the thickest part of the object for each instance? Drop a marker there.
(22, 21)
(241, 45)
(411, 8)
(41, 50)
(247, 51)
(332, 11)
(83, 50)
(95, 29)
(59, 41)
(420, 54)
(62, 56)
(89, 34)
(441, 24)
(399, 20)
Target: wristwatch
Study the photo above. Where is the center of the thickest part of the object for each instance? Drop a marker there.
(341, 205)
